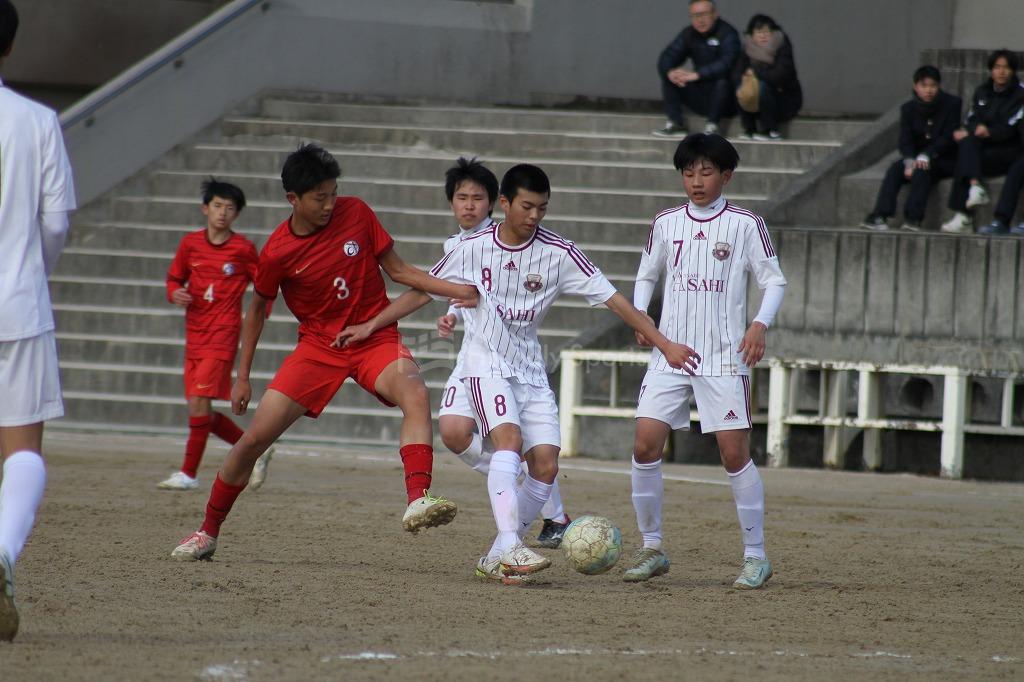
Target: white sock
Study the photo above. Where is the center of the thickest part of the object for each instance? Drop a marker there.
(648, 489)
(473, 456)
(501, 488)
(748, 491)
(552, 509)
(532, 497)
(494, 552)
(20, 494)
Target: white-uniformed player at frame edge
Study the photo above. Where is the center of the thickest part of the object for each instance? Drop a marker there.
(704, 250)
(36, 194)
(520, 268)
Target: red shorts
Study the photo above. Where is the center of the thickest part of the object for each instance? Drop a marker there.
(311, 375)
(208, 378)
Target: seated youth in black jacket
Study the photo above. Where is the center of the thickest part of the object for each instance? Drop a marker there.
(927, 151)
(768, 53)
(990, 139)
(713, 45)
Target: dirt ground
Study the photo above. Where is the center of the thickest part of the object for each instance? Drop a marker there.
(876, 577)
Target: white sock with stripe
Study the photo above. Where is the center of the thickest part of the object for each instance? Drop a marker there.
(648, 490)
(748, 492)
(501, 488)
(20, 495)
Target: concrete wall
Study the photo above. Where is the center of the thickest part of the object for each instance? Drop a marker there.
(988, 24)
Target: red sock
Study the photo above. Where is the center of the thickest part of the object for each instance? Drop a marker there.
(418, 461)
(222, 497)
(198, 432)
(224, 428)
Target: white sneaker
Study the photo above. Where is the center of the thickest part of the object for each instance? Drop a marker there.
(977, 195)
(520, 560)
(427, 512)
(195, 547)
(959, 223)
(179, 480)
(491, 570)
(8, 611)
(259, 470)
(710, 128)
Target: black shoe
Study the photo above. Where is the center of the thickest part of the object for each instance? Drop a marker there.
(552, 532)
(874, 222)
(670, 129)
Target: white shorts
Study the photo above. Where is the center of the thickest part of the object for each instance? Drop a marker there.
(507, 401)
(723, 403)
(31, 381)
(454, 401)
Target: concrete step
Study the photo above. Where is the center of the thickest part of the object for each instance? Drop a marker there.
(487, 143)
(377, 424)
(612, 203)
(858, 191)
(429, 167)
(529, 119)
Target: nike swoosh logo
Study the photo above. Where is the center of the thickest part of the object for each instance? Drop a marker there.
(208, 385)
(299, 271)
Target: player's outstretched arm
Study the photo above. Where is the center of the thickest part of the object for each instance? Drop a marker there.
(411, 276)
(252, 326)
(677, 355)
(406, 304)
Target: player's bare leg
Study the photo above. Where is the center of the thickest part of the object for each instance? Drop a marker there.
(748, 492)
(400, 383)
(276, 412)
(515, 558)
(21, 491)
(647, 492)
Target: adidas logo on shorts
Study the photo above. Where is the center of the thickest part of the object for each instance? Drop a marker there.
(700, 235)
(731, 417)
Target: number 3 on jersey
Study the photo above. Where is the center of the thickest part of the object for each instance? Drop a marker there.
(208, 295)
(342, 287)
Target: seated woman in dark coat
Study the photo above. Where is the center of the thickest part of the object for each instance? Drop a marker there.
(768, 54)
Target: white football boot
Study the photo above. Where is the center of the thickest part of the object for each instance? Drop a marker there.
(179, 480)
(520, 560)
(491, 570)
(427, 512)
(195, 547)
(259, 470)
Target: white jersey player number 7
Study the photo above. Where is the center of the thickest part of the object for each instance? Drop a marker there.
(518, 286)
(705, 255)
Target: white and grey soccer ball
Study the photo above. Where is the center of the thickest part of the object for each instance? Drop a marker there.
(592, 544)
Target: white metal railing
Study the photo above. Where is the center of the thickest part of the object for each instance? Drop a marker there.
(831, 413)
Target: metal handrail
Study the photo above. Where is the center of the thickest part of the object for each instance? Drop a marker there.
(86, 107)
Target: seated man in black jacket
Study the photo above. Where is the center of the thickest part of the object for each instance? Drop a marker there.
(713, 45)
(990, 140)
(927, 151)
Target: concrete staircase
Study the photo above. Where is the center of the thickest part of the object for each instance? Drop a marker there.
(121, 344)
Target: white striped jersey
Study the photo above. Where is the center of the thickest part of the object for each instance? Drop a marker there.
(705, 254)
(467, 320)
(517, 287)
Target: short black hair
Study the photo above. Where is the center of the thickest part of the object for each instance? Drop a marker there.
(714, 148)
(927, 71)
(473, 171)
(1010, 57)
(760, 21)
(307, 167)
(526, 177)
(8, 25)
(694, 2)
(223, 190)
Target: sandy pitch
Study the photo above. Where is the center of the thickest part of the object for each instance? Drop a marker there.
(876, 577)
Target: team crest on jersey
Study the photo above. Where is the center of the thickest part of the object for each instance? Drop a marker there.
(722, 250)
(533, 283)
(228, 269)
(351, 248)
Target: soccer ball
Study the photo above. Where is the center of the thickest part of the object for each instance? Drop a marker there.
(592, 544)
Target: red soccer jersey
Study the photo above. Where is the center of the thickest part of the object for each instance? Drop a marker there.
(330, 279)
(217, 276)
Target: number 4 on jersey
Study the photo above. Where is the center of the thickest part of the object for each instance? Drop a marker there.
(208, 296)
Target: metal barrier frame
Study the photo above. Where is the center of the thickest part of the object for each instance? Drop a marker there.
(840, 428)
